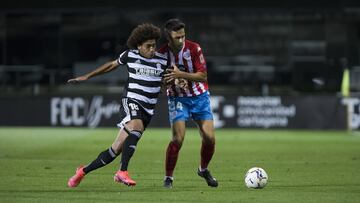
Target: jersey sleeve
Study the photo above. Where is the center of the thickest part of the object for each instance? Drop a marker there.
(198, 59)
(123, 58)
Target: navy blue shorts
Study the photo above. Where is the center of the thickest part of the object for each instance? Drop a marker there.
(130, 110)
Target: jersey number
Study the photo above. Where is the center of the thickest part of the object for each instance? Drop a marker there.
(133, 106)
(179, 105)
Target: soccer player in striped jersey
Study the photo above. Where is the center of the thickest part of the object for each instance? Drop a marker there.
(145, 68)
(189, 100)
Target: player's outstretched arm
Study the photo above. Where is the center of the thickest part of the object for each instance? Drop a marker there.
(105, 68)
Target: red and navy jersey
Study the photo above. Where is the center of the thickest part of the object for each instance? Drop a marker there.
(189, 59)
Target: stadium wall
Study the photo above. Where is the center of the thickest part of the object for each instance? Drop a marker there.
(230, 111)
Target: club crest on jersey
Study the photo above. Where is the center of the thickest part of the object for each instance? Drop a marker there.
(187, 55)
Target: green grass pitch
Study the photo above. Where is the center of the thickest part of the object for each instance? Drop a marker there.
(303, 166)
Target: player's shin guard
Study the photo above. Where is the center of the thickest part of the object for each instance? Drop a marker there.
(103, 159)
(172, 154)
(207, 151)
(129, 148)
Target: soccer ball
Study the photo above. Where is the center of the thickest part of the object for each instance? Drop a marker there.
(256, 178)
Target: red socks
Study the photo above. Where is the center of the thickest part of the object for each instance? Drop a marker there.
(172, 153)
(207, 151)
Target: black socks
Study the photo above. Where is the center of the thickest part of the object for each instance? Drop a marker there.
(103, 159)
(129, 148)
(109, 155)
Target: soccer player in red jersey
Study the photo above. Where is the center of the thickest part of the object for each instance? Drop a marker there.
(187, 99)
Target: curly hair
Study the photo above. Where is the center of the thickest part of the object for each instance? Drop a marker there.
(142, 33)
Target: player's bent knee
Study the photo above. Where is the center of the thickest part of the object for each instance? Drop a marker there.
(209, 139)
(178, 140)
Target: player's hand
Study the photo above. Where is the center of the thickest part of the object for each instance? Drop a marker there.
(78, 79)
(172, 74)
(182, 83)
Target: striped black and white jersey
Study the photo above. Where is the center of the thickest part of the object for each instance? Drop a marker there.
(144, 77)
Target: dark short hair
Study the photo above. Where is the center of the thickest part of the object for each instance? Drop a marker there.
(142, 33)
(173, 24)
